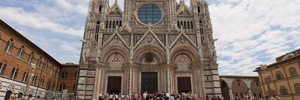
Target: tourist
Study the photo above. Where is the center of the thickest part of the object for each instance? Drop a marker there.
(167, 96)
(206, 97)
(100, 96)
(13, 97)
(135, 96)
(144, 96)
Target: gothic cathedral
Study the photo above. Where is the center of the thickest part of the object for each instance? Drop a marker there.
(150, 45)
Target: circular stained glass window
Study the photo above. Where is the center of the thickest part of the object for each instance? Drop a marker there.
(149, 14)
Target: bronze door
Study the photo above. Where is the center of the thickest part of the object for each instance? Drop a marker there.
(149, 82)
(184, 84)
(114, 84)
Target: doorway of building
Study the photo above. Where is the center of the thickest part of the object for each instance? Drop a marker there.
(114, 84)
(7, 95)
(184, 84)
(149, 82)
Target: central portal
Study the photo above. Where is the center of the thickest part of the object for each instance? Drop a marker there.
(149, 82)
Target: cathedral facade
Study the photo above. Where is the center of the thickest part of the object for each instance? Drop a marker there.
(150, 45)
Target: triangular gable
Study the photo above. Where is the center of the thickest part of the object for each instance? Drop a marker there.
(116, 38)
(115, 10)
(184, 11)
(182, 38)
(145, 38)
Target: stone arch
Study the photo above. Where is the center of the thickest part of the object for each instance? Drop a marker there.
(239, 88)
(225, 89)
(255, 87)
(153, 51)
(185, 50)
(113, 53)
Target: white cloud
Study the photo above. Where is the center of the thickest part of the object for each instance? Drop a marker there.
(35, 20)
(253, 32)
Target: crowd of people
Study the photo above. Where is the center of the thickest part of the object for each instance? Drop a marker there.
(156, 96)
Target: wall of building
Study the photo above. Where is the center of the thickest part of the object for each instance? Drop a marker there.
(236, 87)
(46, 74)
(284, 86)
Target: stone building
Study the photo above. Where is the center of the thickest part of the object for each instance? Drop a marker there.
(282, 77)
(16, 55)
(150, 45)
(240, 87)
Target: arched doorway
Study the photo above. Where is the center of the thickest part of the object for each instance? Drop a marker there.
(225, 90)
(7, 95)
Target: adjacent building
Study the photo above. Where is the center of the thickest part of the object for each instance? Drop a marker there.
(240, 87)
(150, 45)
(282, 78)
(17, 53)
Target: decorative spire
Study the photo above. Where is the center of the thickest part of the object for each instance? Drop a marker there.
(116, 1)
(181, 2)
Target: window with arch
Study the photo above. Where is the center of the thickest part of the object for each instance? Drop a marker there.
(297, 87)
(56, 73)
(13, 73)
(199, 9)
(100, 9)
(53, 86)
(2, 67)
(33, 79)
(38, 64)
(42, 81)
(283, 90)
(51, 70)
(279, 75)
(293, 72)
(30, 57)
(238, 82)
(46, 66)
(48, 84)
(9, 46)
(256, 82)
(97, 27)
(24, 77)
(64, 75)
(62, 86)
(20, 52)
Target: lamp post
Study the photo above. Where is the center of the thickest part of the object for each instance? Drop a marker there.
(25, 97)
(266, 76)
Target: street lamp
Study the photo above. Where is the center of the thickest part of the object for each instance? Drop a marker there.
(266, 76)
(25, 97)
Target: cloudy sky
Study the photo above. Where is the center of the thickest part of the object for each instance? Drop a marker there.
(249, 32)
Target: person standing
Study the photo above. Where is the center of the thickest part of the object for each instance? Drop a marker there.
(144, 96)
(13, 97)
(135, 96)
(167, 96)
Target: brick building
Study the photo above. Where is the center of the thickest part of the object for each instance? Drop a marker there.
(282, 77)
(16, 55)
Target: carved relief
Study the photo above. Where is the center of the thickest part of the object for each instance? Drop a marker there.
(115, 60)
(126, 38)
(182, 62)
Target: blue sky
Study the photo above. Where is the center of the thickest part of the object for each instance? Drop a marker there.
(249, 32)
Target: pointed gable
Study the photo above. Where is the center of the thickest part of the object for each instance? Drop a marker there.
(116, 39)
(115, 10)
(184, 11)
(150, 38)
